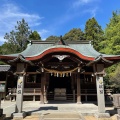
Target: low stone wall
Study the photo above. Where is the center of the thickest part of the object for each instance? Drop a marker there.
(116, 100)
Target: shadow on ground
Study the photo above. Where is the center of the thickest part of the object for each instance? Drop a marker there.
(42, 108)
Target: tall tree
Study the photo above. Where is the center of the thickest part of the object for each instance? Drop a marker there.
(114, 79)
(111, 44)
(53, 38)
(93, 31)
(34, 36)
(74, 34)
(18, 37)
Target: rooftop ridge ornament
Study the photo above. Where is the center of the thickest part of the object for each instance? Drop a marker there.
(60, 41)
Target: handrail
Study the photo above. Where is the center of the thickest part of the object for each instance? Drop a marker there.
(38, 90)
(26, 90)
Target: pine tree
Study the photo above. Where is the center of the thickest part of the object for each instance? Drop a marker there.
(111, 44)
(93, 31)
(52, 38)
(18, 37)
(74, 34)
(34, 36)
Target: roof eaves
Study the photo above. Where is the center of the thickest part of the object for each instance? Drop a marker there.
(20, 58)
(98, 59)
(4, 68)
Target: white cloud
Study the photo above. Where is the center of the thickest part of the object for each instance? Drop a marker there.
(78, 3)
(89, 7)
(91, 11)
(43, 33)
(10, 14)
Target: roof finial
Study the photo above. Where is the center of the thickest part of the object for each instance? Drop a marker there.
(60, 41)
(60, 37)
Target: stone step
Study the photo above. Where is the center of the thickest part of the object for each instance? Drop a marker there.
(61, 116)
(61, 119)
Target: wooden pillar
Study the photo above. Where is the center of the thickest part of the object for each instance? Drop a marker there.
(78, 90)
(45, 88)
(45, 94)
(42, 88)
(72, 86)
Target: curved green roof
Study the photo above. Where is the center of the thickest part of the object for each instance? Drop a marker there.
(35, 48)
(83, 47)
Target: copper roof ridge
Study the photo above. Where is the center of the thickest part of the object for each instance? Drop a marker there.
(54, 41)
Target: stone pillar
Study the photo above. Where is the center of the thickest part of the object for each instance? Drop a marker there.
(78, 90)
(42, 88)
(20, 89)
(99, 72)
(19, 94)
(100, 94)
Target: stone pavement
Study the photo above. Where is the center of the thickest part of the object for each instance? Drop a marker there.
(35, 110)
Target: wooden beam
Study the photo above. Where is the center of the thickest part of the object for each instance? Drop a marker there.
(33, 72)
(60, 63)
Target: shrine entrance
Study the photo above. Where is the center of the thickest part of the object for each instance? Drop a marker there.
(59, 88)
(79, 59)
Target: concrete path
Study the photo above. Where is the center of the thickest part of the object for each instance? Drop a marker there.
(53, 109)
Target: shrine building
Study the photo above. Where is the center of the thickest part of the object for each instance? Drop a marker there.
(59, 70)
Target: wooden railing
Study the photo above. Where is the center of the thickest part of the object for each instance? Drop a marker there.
(27, 92)
(71, 97)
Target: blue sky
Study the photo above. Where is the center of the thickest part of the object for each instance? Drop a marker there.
(54, 17)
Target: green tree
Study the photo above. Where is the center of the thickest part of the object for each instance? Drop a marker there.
(111, 44)
(52, 38)
(93, 31)
(34, 36)
(18, 38)
(74, 35)
(8, 48)
(115, 79)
